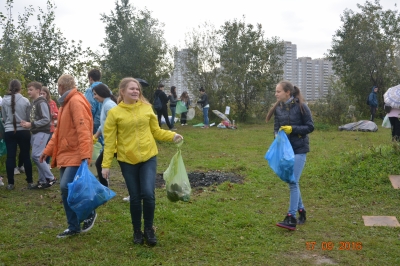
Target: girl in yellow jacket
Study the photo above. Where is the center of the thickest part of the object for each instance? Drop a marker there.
(135, 127)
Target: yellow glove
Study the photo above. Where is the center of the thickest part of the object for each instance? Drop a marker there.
(287, 129)
(94, 139)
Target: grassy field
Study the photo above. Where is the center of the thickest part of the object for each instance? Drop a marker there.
(345, 177)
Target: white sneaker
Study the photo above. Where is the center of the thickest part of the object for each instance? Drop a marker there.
(1, 182)
(21, 169)
(16, 171)
(127, 198)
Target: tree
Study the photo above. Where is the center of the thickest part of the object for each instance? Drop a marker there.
(365, 51)
(44, 52)
(10, 67)
(202, 63)
(135, 47)
(250, 65)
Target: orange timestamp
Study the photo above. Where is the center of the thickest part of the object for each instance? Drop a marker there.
(342, 245)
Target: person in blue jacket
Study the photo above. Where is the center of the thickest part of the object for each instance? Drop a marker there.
(94, 76)
(292, 115)
(373, 102)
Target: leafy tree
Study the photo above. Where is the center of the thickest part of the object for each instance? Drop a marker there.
(10, 67)
(250, 66)
(365, 50)
(135, 47)
(44, 52)
(202, 64)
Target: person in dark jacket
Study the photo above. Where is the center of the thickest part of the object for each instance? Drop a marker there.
(373, 102)
(293, 116)
(164, 110)
(173, 99)
(204, 104)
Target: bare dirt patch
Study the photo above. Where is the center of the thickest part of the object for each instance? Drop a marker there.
(201, 179)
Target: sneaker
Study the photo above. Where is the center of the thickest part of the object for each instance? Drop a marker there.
(127, 198)
(150, 236)
(1, 182)
(138, 237)
(88, 223)
(21, 169)
(205, 127)
(174, 128)
(67, 233)
(10, 186)
(289, 223)
(16, 171)
(302, 216)
(31, 186)
(51, 182)
(40, 186)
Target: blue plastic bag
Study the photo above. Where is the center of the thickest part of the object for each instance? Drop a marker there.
(86, 193)
(280, 157)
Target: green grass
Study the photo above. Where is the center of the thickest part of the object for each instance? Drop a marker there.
(345, 177)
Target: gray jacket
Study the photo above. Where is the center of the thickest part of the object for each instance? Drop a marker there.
(22, 107)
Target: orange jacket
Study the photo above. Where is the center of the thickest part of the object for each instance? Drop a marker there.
(72, 140)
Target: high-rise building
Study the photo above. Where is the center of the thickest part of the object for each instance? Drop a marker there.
(310, 75)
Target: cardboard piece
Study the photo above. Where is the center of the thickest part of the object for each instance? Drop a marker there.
(395, 179)
(381, 221)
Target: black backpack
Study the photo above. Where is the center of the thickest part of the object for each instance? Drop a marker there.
(157, 103)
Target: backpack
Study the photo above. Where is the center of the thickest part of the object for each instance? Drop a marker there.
(157, 103)
(368, 99)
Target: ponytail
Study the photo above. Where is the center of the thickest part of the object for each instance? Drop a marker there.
(14, 87)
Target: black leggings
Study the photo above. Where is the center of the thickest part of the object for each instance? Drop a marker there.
(395, 122)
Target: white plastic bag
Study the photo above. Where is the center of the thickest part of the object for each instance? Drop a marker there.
(386, 122)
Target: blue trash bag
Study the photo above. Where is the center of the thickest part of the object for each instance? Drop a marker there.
(280, 157)
(86, 193)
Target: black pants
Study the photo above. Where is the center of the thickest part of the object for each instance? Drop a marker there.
(395, 122)
(373, 112)
(164, 113)
(183, 117)
(99, 160)
(22, 139)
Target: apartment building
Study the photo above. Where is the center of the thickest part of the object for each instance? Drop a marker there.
(310, 75)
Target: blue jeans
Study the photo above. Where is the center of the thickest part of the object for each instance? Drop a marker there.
(173, 112)
(296, 202)
(67, 175)
(205, 116)
(140, 180)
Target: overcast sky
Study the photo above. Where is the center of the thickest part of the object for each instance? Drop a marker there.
(309, 24)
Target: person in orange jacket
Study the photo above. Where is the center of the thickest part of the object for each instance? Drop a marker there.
(70, 145)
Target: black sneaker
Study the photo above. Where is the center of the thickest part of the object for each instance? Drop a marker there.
(67, 233)
(51, 182)
(88, 223)
(150, 236)
(40, 186)
(138, 237)
(302, 216)
(289, 223)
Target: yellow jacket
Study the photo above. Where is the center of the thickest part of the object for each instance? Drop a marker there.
(135, 127)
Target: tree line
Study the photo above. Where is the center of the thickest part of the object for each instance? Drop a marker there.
(236, 64)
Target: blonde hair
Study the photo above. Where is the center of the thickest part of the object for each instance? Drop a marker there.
(123, 85)
(67, 82)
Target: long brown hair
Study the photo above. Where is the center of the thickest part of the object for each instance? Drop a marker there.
(123, 86)
(14, 87)
(294, 91)
(47, 91)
